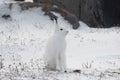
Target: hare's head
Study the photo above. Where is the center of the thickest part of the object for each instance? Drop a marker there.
(61, 31)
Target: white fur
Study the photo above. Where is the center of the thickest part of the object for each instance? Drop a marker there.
(55, 50)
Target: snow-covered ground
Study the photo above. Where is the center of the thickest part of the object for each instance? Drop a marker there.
(2, 1)
(96, 52)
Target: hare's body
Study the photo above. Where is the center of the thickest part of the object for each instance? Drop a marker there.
(55, 50)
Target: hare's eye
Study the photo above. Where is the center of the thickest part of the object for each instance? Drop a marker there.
(61, 29)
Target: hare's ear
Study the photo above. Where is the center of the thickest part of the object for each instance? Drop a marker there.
(56, 23)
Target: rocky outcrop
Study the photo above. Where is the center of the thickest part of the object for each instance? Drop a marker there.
(95, 13)
(62, 10)
(111, 11)
(91, 13)
(100, 13)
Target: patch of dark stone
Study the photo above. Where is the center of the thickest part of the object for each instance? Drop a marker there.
(6, 16)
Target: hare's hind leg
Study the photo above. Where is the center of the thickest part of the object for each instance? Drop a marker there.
(63, 61)
(58, 63)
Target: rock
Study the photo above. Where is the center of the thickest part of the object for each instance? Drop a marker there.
(91, 13)
(111, 11)
(77, 71)
(6, 16)
(27, 5)
(100, 13)
(71, 18)
(95, 13)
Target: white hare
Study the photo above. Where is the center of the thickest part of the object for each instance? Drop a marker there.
(55, 50)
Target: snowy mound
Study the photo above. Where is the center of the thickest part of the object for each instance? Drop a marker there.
(23, 37)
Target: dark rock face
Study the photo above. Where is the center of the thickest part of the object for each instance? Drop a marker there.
(72, 6)
(95, 13)
(27, 5)
(71, 18)
(100, 13)
(91, 13)
(111, 11)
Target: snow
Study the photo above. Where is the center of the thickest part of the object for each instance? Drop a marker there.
(28, 0)
(96, 52)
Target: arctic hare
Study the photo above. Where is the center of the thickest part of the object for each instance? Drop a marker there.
(55, 50)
